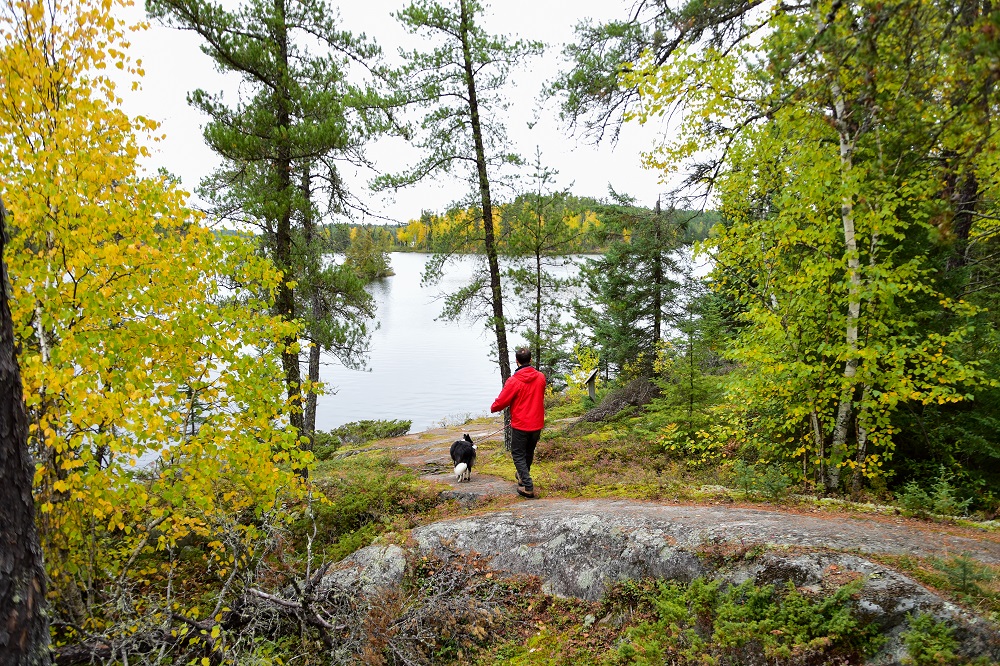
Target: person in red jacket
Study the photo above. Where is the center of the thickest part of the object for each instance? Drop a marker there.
(524, 393)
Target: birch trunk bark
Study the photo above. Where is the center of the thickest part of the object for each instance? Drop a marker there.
(845, 410)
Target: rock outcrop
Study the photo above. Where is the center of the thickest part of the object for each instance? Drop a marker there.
(580, 548)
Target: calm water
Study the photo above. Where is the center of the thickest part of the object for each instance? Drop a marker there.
(419, 368)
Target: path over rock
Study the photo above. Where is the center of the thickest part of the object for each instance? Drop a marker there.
(429, 454)
(579, 548)
(694, 525)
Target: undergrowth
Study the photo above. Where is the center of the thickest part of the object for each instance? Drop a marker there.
(929, 642)
(357, 432)
(360, 498)
(958, 578)
(706, 622)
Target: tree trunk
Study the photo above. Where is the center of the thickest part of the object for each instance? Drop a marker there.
(309, 232)
(838, 447)
(24, 624)
(285, 301)
(963, 186)
(538, 308)
(862, 448)
(309, 422)
(820, 443)
(496, 297)
(657, 276)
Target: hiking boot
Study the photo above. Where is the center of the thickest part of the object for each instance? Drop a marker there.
(523, 492)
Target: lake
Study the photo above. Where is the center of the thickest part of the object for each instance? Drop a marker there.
(419, 368)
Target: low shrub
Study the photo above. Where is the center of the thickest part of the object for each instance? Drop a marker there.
(362, 497)
(773, 483)
(929, 642)
(964, 573)
(325, 444)
(941, 500)
(708, 622)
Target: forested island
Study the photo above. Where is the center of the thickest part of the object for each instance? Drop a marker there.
(167, 498)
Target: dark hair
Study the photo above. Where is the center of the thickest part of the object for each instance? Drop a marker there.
(523, 356)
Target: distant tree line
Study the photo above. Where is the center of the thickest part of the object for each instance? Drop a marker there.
(580, 216)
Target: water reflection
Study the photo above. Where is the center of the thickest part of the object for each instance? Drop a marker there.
(419, 368)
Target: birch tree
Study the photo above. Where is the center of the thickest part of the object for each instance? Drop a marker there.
(819, 128)
(151, 372)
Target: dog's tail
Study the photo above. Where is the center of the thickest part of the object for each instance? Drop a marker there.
(460, 470)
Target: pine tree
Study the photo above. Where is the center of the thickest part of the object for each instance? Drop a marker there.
(24, 640)
(303, 113)
(459, 82)
(629, 291)
(538, 241)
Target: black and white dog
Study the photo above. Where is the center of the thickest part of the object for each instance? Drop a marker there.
(463, 453)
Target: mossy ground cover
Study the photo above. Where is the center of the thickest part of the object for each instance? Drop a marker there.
(960, 579)
(358, 498)
(704, 623)
(588, 461)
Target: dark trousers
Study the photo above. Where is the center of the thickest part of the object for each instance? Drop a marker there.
(522, 450)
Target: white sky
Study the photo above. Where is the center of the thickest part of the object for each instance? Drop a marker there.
(175, 65)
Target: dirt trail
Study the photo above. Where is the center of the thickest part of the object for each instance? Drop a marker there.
(428, 453)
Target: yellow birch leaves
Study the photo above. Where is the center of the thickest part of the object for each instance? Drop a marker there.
(151, 372)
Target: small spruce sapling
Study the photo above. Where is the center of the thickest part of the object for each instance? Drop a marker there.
(964, 573)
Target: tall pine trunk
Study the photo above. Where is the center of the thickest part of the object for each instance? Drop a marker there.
(24, 625)
(538, 308)
(285, 301)
(496, 297)
(309, 232)
(657, 277)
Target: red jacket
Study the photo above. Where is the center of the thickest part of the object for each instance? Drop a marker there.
(524, 392)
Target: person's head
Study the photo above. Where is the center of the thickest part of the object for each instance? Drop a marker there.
(522, 356)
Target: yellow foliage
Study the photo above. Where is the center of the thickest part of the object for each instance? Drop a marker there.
(587, 361)
(152, 416)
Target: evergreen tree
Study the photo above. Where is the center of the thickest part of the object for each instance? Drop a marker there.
(630, 290)
(459, 81)
(302, 114)
(690, 368)
(538, 240)
(332, 302)
(368, 253)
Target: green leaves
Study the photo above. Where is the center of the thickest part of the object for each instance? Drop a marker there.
(818, 140)
(459, 82)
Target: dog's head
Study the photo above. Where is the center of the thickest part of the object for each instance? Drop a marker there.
(467, 438)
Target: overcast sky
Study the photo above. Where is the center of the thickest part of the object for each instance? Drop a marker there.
(175, 65)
